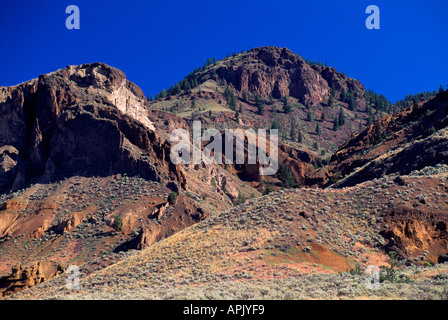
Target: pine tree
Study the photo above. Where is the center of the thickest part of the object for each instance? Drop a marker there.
(259, 104)
(330, 100)
(336, 124)
(287, 107)
(292, 131)
(351, 101)
(317, 129)
(244, 95)
(440, 89)
(232, 102)
(309, 116)
(341, 117)
(415, 103)
(285, 175)
(343, 95)
(300, 137)
(276, 124)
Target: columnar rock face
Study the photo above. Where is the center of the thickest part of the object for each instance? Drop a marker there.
(86, 119)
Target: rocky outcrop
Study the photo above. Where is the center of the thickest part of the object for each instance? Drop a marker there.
(86, 120)
(25, 277)
(278, 72)
(418, 233)
(410, 140)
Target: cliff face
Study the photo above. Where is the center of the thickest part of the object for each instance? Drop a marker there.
(85, 119)
(85, 172)
(273, 87)
(279, 72)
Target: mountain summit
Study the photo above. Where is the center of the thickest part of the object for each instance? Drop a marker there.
(313, 105)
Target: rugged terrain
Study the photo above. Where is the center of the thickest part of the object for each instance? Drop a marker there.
(290, 244)
(86, 179)
(409, 140)
(85, 172)
(271, 86)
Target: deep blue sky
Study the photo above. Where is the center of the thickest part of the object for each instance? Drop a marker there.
(159, 42)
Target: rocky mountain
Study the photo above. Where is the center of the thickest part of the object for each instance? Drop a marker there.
(86, 171)
(86, 179)
(407, 141)
(314, 106)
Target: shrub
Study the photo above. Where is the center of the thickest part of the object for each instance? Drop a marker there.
(118, 223)
(241, 198)
(172, 197)
(357, 270)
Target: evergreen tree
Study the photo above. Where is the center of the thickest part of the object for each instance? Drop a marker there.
(351, 101)
(341, 117)
(172, 197)
(331, 100)
(415, 103)
(259, 104)
(285, 175)
(300, 137)
(440, 89)
(336, 124)
(276, 124)
(309, 116)
(227, 92)
(343, 95)
(232, 102)
(292, 131)
(245, 95)
(287, 107)
(317, 129)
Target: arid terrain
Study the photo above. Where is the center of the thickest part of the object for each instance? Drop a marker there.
(86, 179)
